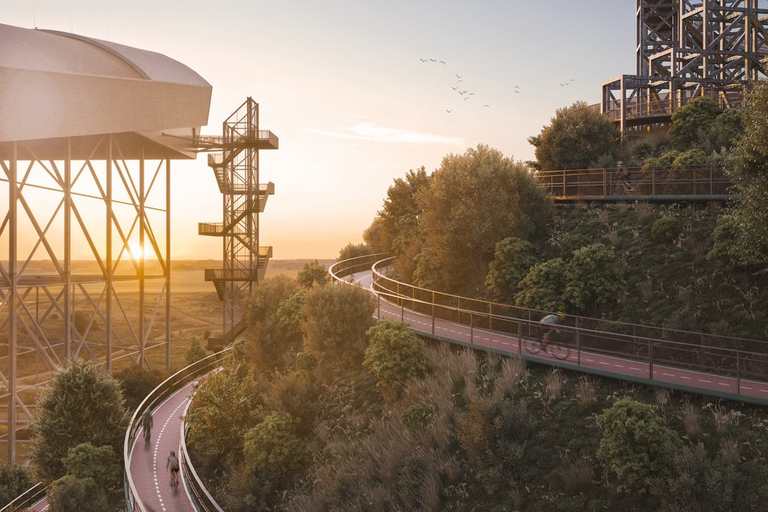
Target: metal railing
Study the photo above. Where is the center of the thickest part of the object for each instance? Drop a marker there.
(201, 498)
(727, 356)
(156, 396)
(630, 183)
(342, 269)
(26, 499)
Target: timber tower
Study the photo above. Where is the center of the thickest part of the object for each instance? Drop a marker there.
(235, 163)
(686, 49)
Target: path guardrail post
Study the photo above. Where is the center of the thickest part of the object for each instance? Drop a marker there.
(378, 305)
(402, 311)
(519, 338)
(433, 312)
(490, 316)
(738, 372)
(605, 182)
(650, 359)
(578, 343)
(471, 328)
(653, 182)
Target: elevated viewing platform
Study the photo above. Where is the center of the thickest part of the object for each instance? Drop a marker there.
(256, 139)
(701, 184)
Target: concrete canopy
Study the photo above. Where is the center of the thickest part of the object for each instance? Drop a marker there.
(63, 92)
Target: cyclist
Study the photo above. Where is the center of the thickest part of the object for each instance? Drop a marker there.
(147, 424)
(551, 320)
(172, 464)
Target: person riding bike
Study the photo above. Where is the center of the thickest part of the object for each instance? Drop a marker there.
(147, 424)
(551, 320)
(172, 464)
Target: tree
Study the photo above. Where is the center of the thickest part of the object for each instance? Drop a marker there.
(81, 404)
(747, 222)
(394, 354)
(351, 250)
(397, 222)
(136, 383)
(195, 352)
(14, 480)
(225, 407)
(378, 238)
(592, 278)
(637, 445)
(72, 494)
(273, 449)
(575, 139)
(337, 318)
(100, 464)
(512, 260)
(542, 288)
(692, 121)
(312, 273)
(474, 201)
(271, 338)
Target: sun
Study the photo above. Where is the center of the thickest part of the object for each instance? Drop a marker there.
(135, 250)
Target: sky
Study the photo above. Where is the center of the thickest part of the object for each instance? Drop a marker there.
(342, 84)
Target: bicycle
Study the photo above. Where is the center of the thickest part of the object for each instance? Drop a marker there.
(549, 346)
(174, 480)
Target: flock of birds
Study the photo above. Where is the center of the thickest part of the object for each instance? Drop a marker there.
(467, 94)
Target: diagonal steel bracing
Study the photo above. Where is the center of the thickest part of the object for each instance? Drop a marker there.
(71, 281)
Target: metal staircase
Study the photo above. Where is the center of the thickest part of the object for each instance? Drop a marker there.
(235, 164)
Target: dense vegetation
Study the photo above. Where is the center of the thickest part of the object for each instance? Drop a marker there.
(353, 416)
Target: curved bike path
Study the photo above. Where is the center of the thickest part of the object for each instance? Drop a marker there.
(586, 361)
(148, 463)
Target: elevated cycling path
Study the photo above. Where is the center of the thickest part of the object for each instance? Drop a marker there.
(727, 367)
(147, 486)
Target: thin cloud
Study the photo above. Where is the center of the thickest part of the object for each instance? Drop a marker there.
(373, 133)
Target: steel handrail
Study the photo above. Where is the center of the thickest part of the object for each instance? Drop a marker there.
(651, 349)
(157, 395)
(26, 499)
(539, 312)
(202, 500)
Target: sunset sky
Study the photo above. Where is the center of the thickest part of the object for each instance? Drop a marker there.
(341, 83)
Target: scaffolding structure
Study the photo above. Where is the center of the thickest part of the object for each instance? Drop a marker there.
(88, 129)
(687, 49)
(235, 163)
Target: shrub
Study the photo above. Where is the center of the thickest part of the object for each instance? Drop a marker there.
(195, 352)
(592, 278)
(311, 274)
(272, 448)
(665, 230)
(71, 494)
(417, 416)
(542, 288)
(14, 480)
(636, 446)
(394, 353)
(512, 260)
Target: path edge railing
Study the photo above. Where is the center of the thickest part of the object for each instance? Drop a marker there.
(26, 499)
(165, 389)
(399, 297)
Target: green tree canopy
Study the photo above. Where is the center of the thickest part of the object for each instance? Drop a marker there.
(72, 494)
(512, 260)
(394, 353)
(272, 448)
(312, 273)
(81, 404)
(576, 138)
(99, 464)
(592, 278)
(271, 336)
(195, 352)
(692, 121)
(476, 200)
(351, 250)
(542, 288)
(14, 480)
(747, 223)
(337, 318)
(225, 407)
(637, 445)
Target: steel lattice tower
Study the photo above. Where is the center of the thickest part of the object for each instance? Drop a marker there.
(687, 49)
(236, 168)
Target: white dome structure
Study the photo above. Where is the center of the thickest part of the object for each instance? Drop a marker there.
(56, 85)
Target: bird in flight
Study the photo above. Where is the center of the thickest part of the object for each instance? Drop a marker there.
(442, 62)
(517, 87)
(459, 77)
(423, 60)
(465, 99)
(461, 92)
(471, 94)
(563, 85)
(449, 111)
(486, 106)
(455, 88)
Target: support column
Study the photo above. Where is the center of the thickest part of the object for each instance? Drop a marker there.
(168, 265)
(13, 326)
(110, 255)
(68, 320)
(142, 227)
